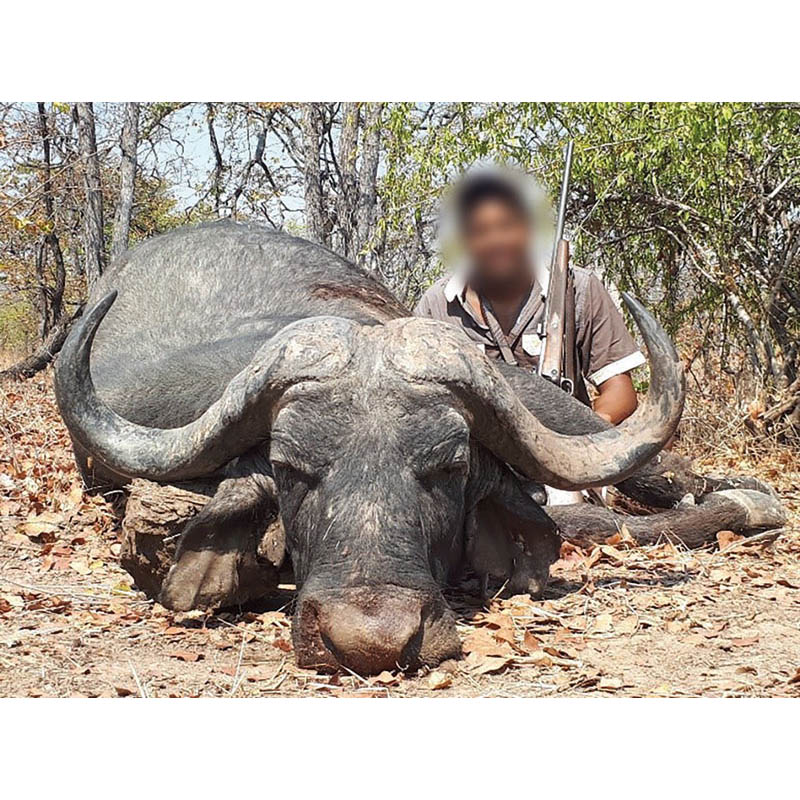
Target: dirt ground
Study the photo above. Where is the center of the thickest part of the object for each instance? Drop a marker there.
(619, 620)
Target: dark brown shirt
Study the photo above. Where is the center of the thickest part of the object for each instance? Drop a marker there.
(605, 347)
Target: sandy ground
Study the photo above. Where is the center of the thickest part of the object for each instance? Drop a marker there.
(618, 620)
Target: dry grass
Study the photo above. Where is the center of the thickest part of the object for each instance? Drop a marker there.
(641, 621)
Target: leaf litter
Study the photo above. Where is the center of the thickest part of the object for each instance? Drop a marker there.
(615, 620)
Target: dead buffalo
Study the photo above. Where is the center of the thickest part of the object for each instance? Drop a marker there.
(395, 452)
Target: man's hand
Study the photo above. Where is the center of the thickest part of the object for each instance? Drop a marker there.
(617, 399)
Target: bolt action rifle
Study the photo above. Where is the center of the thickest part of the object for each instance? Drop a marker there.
(558, 361)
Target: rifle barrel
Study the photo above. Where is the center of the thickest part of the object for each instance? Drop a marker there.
(562, 205)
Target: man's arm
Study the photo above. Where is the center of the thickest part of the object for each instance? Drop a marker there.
(608, 354)
(617, 399)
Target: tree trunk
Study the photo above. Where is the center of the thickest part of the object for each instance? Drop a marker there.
(50, 297)
(216, 180)
(312, 142)
(37, 361)
(94, 244)
(348, 188)
(129, 142)
(368, 180)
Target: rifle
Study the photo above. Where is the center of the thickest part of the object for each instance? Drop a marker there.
(557, 360)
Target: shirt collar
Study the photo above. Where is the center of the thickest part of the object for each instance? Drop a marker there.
(542, 274)
(455, 286)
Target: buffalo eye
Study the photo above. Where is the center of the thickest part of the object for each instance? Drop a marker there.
(443, 471)
(288, 475)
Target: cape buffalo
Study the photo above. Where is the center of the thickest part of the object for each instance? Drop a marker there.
(394, 451)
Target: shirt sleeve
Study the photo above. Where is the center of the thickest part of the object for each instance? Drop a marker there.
(423, 307)
(606, 346)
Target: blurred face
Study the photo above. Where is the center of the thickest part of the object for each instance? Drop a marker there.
(497, 238)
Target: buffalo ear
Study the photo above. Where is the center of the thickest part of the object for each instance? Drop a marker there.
(509, 536)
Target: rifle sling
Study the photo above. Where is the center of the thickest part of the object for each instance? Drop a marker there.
(497, 333)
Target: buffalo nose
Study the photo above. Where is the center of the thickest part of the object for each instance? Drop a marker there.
(366, 629)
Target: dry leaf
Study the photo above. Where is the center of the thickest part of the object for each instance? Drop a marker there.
(80, 566)
(385, 678)
(75, 496)
(603, 623)
(593, 557)
(484, 665)
(274, 619)
(541, 658)
(185, 655)
(727, 538)
(755, 409)
(483, 643)
(612, 554)
(571, 553)
(43, 526)
(530, 642)
(715, 630)
(14, 600)
(439, 680)
(625, 537)
(501, 625)
(261, 672)
(362, 692)
(628, 625)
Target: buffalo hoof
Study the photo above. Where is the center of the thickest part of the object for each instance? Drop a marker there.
(201, 579)
(215, 568)
(761, 511)
(747, 482)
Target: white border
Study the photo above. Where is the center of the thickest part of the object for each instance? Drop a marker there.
(415, 50)
(386, 749)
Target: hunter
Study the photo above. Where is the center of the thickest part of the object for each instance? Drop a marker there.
(496, 226)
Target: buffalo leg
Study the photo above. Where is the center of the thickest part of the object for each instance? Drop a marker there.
(740, 510)
(220, 559)
(665, 480)
(509, 536)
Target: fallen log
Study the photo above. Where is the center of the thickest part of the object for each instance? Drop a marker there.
(46, 352)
